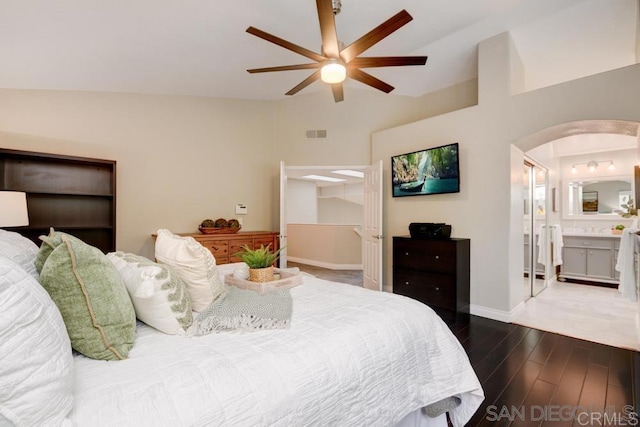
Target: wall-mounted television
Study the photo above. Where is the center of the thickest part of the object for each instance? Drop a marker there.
(429, 171)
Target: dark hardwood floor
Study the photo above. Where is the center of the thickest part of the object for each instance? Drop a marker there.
(537, 378)
(531, 377)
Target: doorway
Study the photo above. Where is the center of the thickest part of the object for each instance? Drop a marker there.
(314, 200)
(588, 312)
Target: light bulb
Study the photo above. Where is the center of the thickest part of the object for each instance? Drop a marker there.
(611, 167)
(333, 72)
(574, 170)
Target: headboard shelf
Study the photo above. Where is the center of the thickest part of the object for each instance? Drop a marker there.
(72, 194)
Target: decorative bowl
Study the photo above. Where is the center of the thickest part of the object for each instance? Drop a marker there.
(219, 230)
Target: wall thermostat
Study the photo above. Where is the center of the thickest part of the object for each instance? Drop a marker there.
(241, 209)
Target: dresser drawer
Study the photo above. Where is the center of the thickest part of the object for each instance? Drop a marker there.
(236, 246)
(219, 249)
(432, 289)
(438, 256)
(265, 240)
(587, 242)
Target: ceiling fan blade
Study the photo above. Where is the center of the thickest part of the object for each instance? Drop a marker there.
(387, 61)
(368, 79)
(338, 92)
(306, 82)
(328, 29)
(285, 44)
(374, 36)
(286, 68)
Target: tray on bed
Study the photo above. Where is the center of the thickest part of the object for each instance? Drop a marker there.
(287, 280)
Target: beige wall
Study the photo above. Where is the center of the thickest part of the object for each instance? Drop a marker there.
(337, 247)
(183, 159)
(482, 211)
(180, 159)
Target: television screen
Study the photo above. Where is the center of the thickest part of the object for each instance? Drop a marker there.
(430, 171)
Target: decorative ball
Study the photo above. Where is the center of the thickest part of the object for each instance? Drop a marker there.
(233, 223)
(241, 273)
(208, 223)
(221, 223)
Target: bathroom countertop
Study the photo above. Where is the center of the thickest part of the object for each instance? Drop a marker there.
(584, 234)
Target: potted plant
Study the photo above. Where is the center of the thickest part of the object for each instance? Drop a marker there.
(617, 229)
(260, 262)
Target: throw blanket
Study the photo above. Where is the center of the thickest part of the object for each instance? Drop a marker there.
(242, 309)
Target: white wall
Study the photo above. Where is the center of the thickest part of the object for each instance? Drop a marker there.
(337, 211)
(482, 210)
(302, 202)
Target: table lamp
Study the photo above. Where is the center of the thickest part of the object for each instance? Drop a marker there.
(13, 209)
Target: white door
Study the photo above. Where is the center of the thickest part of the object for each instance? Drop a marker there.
(372, 231)
(283, 215)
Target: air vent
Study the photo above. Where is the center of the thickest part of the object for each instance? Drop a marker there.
(316, 133)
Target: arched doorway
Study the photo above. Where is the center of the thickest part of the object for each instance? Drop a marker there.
(560, 319)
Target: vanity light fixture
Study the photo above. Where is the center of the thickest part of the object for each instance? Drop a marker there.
(592, 166)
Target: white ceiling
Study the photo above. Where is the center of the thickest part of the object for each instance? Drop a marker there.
(197, 47)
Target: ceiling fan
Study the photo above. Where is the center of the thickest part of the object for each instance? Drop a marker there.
(335, 63)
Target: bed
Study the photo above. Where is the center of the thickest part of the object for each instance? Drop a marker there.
(349, 357)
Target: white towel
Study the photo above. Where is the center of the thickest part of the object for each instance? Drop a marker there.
(542, 245)
(628, 246)
(556, 239)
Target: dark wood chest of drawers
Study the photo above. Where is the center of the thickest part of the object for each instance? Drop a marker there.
(435, 272)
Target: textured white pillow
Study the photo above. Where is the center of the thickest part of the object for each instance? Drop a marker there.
(195, 265)
(157, 292)
(20, 250)
(36, 363)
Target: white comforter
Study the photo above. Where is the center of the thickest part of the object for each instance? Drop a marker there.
(352, 357)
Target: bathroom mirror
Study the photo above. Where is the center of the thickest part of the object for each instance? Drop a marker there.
(597, 198)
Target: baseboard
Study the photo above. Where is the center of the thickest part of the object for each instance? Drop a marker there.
(491, 313)
(322, 264)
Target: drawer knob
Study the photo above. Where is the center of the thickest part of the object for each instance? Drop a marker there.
(437, 288)
(437, 257)
(406, 253)
(406, 283)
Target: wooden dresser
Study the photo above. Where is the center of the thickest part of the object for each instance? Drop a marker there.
(223, 246)
(435, 272)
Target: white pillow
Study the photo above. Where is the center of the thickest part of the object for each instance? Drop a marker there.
(194, 263)
(20, 250)
(157, 292)
(36, 363)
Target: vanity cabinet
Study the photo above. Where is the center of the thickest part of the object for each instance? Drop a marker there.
(590, 258)
(435, 272)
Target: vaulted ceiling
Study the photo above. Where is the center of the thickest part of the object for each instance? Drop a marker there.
(198, 47)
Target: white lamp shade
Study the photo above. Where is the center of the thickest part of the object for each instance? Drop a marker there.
(13, 209)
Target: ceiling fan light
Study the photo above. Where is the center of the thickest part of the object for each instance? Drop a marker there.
(333, 72)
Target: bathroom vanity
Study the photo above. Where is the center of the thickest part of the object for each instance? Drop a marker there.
(590, 257)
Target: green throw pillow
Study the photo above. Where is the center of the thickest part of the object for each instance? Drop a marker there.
(49, 243)
(92, 298)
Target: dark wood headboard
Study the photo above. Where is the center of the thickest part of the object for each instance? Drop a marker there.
(76, 195)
